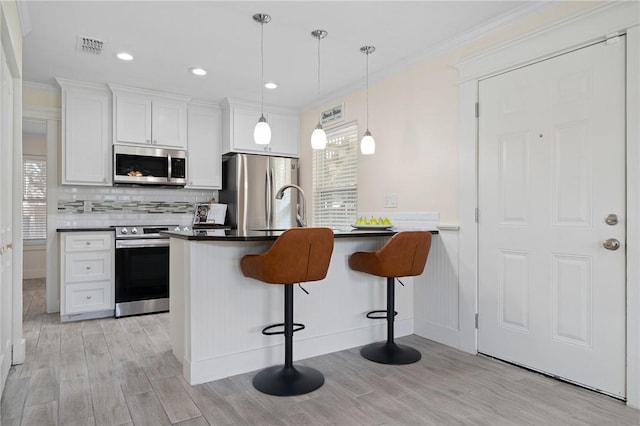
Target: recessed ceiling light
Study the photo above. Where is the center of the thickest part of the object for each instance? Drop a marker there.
(198, 71)
(271, 85)
(124, 56)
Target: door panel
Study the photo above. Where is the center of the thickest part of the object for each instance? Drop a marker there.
(551, 168)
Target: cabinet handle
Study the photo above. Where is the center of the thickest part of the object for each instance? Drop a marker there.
(148, 140)
(88, 243)
(88, 297)
(155, 141)
(104, 180)
(88, 268)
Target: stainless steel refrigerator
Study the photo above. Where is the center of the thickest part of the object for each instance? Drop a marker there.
(250, 184)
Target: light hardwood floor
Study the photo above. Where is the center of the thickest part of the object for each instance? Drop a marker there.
(122, 372)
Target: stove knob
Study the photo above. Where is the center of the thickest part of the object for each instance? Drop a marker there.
(186, 228)
(124, 231)
(177, 228)
(134, 231)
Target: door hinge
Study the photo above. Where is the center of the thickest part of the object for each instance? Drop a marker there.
(476, 321)
(477, 215)
(477, 109)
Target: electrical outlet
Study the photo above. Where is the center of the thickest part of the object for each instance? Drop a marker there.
(87, 206)
(390, 200)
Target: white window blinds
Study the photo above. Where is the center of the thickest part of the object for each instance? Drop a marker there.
(335, 179)
(34, 202)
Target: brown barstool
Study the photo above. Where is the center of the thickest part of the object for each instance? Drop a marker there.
(298, 255)
(404, 255)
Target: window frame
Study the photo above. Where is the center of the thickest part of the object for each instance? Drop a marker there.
(345, 164)
(43, 160)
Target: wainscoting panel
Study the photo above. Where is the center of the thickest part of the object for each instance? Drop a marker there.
(436, 292)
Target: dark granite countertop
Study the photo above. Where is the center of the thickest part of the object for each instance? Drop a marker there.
(106, 228)
(234, 235)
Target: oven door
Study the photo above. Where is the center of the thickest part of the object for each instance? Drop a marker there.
(142, 276)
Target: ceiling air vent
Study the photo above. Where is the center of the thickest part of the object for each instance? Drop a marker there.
(90, 45)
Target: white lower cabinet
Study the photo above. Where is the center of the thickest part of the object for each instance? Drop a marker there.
(87, 275)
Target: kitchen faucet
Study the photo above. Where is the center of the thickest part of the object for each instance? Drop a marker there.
(301, 219)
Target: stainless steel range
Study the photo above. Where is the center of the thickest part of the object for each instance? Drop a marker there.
(142, 269)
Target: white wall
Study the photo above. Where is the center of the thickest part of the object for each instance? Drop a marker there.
(414, 120)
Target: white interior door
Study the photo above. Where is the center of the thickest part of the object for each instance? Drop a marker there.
(6, 231)
(551, 170)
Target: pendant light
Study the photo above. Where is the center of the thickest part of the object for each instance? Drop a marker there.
(262, 131)
(367, 144)
(319, 137)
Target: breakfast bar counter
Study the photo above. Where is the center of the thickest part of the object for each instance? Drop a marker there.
(217, 314)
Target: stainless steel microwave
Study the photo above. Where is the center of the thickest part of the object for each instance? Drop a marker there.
(142, 165)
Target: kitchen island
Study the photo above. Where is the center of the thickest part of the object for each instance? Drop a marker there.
(217, 314)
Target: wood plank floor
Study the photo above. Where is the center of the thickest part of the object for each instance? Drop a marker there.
(122, 372)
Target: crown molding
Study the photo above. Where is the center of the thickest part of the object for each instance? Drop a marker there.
(40, 112)
(432, 52)
(40, 87)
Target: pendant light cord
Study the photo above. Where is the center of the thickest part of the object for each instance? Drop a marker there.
(319, 66)
(367, 90)
(262, 68)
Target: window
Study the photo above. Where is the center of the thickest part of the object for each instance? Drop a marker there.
(34, 201)
(335, 179)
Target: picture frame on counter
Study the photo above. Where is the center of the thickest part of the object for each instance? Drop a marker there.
(209, 214)
(332, 115)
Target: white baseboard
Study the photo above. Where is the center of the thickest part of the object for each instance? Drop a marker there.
(206, 370)
(19, 352)
(29, 274)
(437, 333)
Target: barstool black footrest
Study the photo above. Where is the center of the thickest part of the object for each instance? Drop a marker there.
(296, 327)
(390, 353)
(372, 314)
(288, 381)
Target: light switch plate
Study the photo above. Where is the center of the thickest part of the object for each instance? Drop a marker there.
(87, 206)
(390, 200)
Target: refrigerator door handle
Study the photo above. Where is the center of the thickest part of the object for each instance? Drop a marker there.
(271, 199)
(267, 198)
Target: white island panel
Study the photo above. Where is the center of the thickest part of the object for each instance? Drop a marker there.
(217, 314)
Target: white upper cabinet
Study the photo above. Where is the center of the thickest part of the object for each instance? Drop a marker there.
(86, 134)
(240, 118)
(148, 117)
(204, 147)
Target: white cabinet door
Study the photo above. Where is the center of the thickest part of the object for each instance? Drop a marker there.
(169, 123)
(148, 117)
(132, 119)
(284, 134)
(244, 121)
(86, 130)
(239, 120)
(204, 149)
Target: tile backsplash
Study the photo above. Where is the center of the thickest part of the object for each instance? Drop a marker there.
(116, 206)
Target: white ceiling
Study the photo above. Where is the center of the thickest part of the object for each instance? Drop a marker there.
(168, 37)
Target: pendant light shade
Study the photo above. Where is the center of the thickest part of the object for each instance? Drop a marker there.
(262, 131)
(367, 144)
(319, 137)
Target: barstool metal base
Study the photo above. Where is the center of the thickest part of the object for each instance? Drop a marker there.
(288, 381)
(390, 353)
